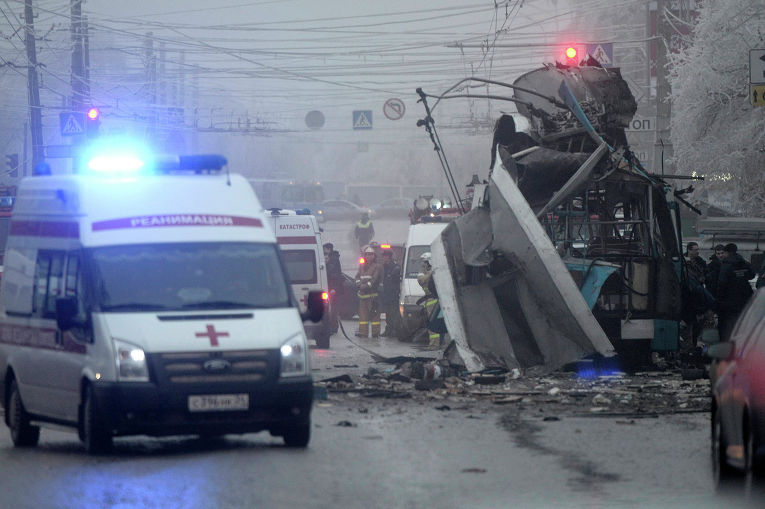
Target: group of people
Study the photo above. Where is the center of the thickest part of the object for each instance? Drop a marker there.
(720, 286)
(378, 287)
(378, 284)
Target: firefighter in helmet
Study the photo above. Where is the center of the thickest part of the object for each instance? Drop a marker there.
(430, 301)
(368, 281)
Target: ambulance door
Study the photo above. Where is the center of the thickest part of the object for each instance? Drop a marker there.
(303, 270)
(44, 373)
(58, 358)
(75, 344)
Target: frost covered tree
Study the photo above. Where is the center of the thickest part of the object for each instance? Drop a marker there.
(716, 132)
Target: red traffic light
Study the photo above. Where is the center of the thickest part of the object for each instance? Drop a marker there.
(93, 113)
(570, 52)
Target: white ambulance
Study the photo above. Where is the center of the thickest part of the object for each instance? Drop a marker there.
(299, 239)
(139, 301)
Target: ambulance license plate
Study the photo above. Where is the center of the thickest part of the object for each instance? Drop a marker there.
(219, 402)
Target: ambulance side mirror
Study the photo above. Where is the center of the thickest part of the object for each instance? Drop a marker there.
(66, 310)
(315, 305)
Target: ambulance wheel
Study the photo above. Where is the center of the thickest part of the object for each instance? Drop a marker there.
(322, 339)
(298, 435)
(97, 439)
(23, 434)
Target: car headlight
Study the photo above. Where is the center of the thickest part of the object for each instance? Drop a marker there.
(294, 356)
(131, 362)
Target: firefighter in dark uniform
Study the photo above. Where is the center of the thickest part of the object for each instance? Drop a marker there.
(391, 289)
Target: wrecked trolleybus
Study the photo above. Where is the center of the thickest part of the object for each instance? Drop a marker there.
(567, 196)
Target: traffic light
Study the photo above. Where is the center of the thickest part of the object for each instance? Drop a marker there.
(570, 55)
(92, 121)
(12, 160)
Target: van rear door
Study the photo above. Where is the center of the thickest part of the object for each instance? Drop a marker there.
(302, 270)
(300, 244)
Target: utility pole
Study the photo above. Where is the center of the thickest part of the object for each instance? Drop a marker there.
(195, 104)
(162, 78)
(151, 82)
(182, 80)
(35, 113)
(25, 155)
(80, 92)
(86, 53)
(662, 142)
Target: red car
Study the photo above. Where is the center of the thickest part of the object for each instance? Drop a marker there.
(737, 377)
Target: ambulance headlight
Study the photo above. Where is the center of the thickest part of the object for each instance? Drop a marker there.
(131, 362)
(294, 356)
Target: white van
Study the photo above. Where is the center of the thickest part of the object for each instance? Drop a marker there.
(299, 239)
(418, 241)
(155, 304)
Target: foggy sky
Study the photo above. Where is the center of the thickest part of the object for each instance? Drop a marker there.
(276, 60)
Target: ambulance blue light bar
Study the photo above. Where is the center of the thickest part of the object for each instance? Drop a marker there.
(124, 162)
(199, 162)
(117, 163)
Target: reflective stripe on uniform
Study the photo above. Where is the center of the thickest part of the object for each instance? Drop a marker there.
(363, 323)
(366, 296)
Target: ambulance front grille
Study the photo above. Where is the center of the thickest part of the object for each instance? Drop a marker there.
(243, 366)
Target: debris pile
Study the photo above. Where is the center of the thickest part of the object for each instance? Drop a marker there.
(561, 393)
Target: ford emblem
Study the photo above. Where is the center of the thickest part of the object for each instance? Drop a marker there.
(216, 365)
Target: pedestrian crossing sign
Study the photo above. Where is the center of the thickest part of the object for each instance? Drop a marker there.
(362, 119)
(71, 123)
(602, 52)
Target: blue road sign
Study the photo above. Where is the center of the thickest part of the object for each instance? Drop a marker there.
(602, 52)
(72, 123)
(362, 119)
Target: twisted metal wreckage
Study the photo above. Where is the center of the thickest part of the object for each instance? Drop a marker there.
(571, 247)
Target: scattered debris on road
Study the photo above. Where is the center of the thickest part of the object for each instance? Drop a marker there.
(557, 394)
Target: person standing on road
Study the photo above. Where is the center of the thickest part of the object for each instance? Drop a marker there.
(391, 289)
(696, 264)
(334, 271)
(713, 269)
(697, 299)
(733, 289)
(334, 279)
(364, 231)
(368, 281)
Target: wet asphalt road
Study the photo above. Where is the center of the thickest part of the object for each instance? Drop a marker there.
(372, 452)
(386, 453)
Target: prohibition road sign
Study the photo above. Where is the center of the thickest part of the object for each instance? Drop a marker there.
(394, 109)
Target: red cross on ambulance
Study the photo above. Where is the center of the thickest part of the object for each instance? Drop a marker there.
(212, 334)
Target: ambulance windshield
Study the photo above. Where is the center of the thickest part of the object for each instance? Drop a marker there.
(183, 276)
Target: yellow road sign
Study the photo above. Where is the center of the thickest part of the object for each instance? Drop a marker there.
(757, 95)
